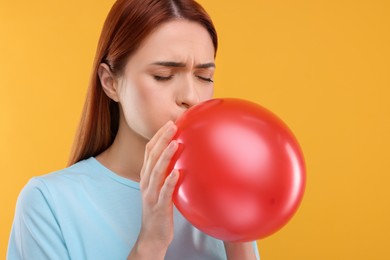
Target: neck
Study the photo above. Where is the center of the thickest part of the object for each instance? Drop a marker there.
(125, 156)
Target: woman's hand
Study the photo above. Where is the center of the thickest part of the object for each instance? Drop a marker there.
(157, 208)
(239, 251)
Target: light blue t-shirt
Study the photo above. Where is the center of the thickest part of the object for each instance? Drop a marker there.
(88, 212)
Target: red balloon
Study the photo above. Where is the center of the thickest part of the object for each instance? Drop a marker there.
(242, 170)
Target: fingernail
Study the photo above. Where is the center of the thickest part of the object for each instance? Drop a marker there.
(173, 145)
(174, 173)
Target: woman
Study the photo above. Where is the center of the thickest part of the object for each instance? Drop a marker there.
(155, 59)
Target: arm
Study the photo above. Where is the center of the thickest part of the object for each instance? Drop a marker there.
(240, 251)
(157, 208)
(147, 250)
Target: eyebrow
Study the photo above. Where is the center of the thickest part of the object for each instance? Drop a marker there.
(181, 64)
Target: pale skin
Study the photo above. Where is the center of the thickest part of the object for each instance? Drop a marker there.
(171, 71)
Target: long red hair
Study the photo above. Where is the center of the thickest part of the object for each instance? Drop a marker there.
(128, 23)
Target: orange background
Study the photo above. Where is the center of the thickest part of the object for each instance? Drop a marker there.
(323, 66)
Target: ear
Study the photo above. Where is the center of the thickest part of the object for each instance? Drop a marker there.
(108, 82)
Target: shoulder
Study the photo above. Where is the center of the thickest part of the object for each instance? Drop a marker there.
(34, 208)
(44, 187)
(67, 178)
(32, 196)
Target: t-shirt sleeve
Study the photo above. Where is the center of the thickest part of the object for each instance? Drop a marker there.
(35, 231)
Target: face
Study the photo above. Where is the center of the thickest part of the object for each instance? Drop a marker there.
(171, 71)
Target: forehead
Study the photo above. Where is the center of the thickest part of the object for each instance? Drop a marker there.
(177, 40)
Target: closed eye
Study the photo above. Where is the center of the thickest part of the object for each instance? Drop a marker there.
(205, 79)
(162, 78)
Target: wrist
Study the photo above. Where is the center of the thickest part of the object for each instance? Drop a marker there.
(148, 249)
(239, 251)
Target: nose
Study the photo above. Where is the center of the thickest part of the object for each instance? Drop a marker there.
(187, 95)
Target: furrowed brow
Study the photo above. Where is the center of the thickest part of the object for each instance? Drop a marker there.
(181, 64)
(170, 64)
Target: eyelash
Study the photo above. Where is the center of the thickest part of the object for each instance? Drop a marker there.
(161, 78)
(205, 79)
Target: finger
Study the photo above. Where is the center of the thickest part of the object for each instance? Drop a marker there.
(151, 144)
(159, 133)
(165, 198)
(154, 151)
(159, 172)
(155, 148)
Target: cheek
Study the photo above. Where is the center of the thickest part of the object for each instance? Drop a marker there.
(135, 96)
(207, 93)
(143, 107)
